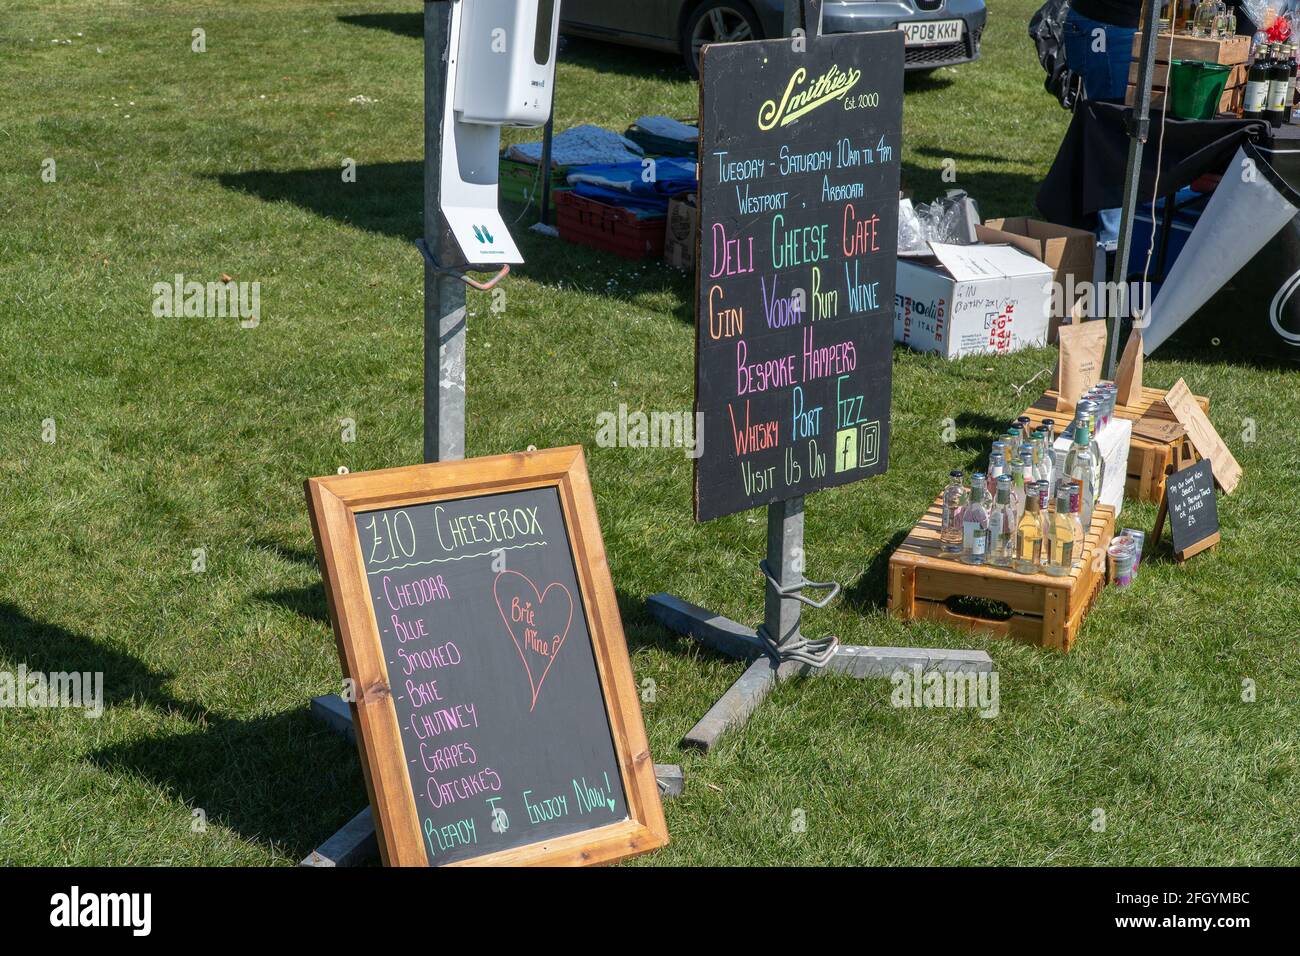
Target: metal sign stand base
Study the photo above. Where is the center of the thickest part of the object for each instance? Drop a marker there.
(790, 654)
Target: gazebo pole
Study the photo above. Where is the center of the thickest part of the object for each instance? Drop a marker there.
(1139, 132)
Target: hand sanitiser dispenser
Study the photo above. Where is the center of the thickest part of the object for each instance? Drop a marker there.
(507, 61)
(500, 72)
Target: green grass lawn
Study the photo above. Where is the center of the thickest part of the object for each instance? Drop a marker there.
(177, 434)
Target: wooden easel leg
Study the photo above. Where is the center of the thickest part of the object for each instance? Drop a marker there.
(1160, 521)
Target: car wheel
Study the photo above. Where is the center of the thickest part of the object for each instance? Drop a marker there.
(717, 21)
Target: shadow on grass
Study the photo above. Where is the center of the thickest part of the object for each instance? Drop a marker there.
(254, 776)
(307, 601)
(287, 552)
(979, 446)
(49, 648)
(603, 57)
(403, 24)
(283, 781)
(386, 198)
(1215, 336)
(996, 192)
(579, 51)
(871, 589)
(934, 152)
(926, 81)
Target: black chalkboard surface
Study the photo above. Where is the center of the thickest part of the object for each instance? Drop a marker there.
(496, 714)
(1192, 507)
(494, 680)
(798, 198)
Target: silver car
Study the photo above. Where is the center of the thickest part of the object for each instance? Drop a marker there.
(939, 32)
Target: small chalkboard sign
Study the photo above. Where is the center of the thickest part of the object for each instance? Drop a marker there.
(1192, 508)
(800, 146)
(497, 717)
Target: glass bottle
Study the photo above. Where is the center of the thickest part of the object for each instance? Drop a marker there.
(1206, 17)
(1288, 57)
(975, 522)
(1029, 538)
(1012, 439)
(1098, 463)
(1078, 465)
(1278, 76)
(997, 466)
(1087, 490)
(1258, 81)
(1044, 472)
(955, 496)
(1061, 545)
(1027, 459)
(1018, 478)
(1002, 526)
(1080, 531)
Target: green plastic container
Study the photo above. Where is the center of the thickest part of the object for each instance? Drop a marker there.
(1196, 88)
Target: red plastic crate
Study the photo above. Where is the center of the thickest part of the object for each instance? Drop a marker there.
(607, 227)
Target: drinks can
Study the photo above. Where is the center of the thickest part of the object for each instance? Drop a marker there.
(1111, 391)
(1139, 542)
(1123, 560)
(1090, 406)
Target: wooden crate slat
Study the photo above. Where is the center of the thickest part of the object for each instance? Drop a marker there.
(1044, 610)
(1230, 51)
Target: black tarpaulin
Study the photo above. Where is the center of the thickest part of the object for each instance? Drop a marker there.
(1088, 173)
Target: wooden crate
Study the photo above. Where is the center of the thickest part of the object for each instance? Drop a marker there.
(1233, 52)
(1045, 610)
(1150, 459)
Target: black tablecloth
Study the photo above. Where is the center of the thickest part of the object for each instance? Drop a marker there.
(1088, 173)
(1254, 312)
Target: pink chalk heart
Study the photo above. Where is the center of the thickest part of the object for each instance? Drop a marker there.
(538, 622)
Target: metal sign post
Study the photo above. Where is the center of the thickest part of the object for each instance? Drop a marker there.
(777, 649)
(444, 295)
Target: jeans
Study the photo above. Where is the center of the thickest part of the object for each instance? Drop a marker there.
(1104, 70)
(1102, 59)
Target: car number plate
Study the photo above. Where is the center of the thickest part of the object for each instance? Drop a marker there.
(933, 32)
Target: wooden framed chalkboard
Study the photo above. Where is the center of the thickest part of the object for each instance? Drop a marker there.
(800, 144)
(1192, 509)
(496, 713)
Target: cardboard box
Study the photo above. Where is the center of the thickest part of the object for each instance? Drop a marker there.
(683, 232)
(1071, 254)
(972, 300)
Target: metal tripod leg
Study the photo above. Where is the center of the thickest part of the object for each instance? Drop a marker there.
(778, 649)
